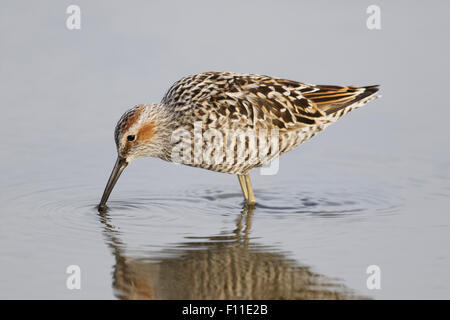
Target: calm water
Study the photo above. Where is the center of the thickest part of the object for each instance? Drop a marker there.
(373, 189)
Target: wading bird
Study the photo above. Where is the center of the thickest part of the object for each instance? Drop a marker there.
(229, 102)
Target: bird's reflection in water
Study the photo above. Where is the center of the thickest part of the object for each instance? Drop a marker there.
(220, 267)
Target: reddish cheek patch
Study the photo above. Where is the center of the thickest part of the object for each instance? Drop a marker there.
(146, 132)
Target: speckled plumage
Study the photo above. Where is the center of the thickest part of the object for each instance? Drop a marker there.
(230, 101)
(222, 111)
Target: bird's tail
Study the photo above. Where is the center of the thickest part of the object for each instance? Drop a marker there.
(368, 94)
(333, 99)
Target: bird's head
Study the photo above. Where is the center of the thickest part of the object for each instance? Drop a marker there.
(142, 131)
(138, 132)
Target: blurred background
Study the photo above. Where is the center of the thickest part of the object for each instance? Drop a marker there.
(372, 189)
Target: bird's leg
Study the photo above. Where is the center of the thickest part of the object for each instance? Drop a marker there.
(243, 186)
(251, 196)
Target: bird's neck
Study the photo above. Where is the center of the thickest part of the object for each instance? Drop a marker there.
(164, 125)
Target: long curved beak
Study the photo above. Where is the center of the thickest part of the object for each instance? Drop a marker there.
(120, 165)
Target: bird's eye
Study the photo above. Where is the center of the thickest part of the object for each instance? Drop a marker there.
(131, 137)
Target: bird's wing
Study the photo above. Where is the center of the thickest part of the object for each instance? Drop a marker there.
(260, 100)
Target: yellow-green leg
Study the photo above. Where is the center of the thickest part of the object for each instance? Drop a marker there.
(243, 186)
(251, 196)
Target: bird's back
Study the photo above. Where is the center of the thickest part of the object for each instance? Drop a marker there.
(230, 101)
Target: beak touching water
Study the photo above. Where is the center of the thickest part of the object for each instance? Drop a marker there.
(120, 165)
